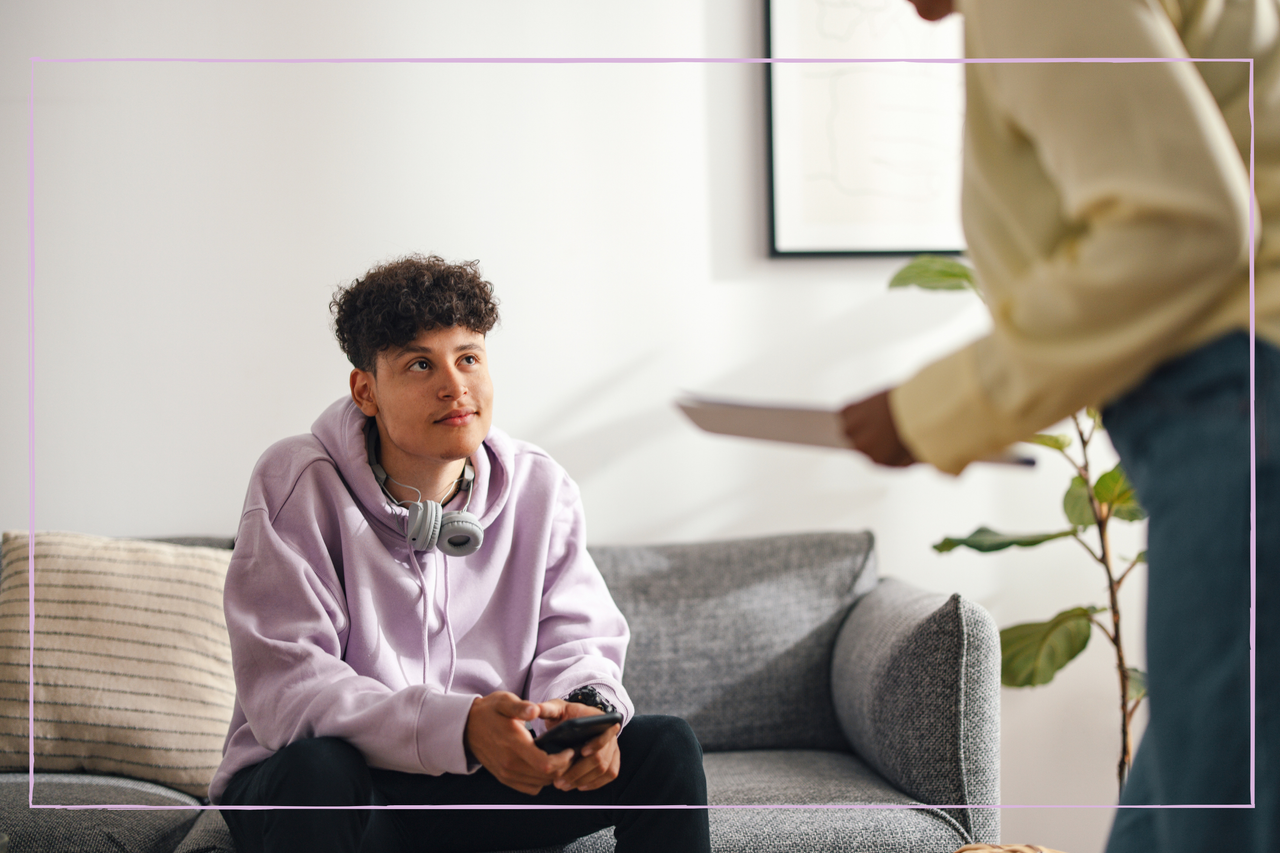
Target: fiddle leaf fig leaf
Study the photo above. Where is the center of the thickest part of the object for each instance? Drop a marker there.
(1057, 442)
(1130, 510)
(1115, 489)
(986, 540)
(1112, 487)
(1075, 503)
(1137, 685)
(933, 272)
(1032, 653)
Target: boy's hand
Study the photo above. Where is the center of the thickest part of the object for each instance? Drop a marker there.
(597, 761)
(496, 736)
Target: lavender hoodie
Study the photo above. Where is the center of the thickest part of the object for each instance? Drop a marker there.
(393, 665)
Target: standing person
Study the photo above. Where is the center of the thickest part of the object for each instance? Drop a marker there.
(1106, 208)
(410, 588)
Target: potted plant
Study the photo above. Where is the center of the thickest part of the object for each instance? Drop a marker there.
(1033, 652)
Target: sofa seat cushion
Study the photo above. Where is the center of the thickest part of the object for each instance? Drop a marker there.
(784, 779)
(209, 835)
(736, 636)
(54, 830)
(781, 780)
(796, 777)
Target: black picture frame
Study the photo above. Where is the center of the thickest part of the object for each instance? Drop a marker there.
(782, 206)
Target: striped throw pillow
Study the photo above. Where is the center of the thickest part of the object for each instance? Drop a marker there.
(132, 663)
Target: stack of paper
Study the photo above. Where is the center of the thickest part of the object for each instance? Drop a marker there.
(795, 425)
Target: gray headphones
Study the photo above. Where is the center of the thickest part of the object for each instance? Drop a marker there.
(457, 533)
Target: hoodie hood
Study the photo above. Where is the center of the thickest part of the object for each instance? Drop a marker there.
(340, 429)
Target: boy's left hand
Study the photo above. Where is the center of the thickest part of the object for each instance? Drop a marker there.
(597, 761)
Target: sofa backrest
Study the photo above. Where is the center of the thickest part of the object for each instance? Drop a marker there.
(737, 636)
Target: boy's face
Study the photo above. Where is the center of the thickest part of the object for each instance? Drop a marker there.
(433, 399)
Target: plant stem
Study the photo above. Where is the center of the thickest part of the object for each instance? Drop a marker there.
(1084, 440)
(1125, 573)
(1133, 709)
(1113, 589)
(1085, 545)
(1101, 515)
(1103, 629)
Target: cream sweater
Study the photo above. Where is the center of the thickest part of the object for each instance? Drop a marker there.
(1106, 208)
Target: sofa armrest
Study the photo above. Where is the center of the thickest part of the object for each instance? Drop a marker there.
(915, 679)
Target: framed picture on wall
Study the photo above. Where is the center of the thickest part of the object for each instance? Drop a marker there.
(864, 156)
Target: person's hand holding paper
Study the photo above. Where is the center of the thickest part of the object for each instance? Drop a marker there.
(866, 426)
(869, 425)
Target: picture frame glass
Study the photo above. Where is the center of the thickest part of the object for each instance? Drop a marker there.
(866, 150)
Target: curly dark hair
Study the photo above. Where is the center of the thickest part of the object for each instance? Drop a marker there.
(397, 301)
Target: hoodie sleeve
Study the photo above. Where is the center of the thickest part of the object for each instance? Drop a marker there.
(287, 620)
(582, 636)
(1154, 199)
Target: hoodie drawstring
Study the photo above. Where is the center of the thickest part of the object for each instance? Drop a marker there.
(422, 586)
(448, 627)
(426, 619)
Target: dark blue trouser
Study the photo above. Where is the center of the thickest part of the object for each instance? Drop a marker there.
(661, 765)
(1183, 437)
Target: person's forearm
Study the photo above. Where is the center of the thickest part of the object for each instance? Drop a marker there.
(1107, 213)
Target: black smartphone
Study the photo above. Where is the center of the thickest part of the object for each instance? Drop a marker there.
(572, 734)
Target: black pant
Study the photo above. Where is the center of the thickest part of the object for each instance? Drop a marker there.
(661, 765)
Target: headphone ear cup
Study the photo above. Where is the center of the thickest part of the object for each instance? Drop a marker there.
(423, 527)
(460, 534)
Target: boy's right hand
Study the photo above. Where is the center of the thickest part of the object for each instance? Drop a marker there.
(496, 736)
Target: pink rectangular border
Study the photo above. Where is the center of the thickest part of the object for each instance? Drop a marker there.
(31, 242)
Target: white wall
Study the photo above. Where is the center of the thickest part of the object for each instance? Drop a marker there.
(192, 220)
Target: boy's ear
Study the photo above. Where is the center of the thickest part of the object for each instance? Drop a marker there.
(364, 391)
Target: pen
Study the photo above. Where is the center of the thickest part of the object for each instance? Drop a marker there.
(1008, 457)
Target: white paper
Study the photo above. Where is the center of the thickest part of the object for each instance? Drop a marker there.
(819, 427)
(792, 424)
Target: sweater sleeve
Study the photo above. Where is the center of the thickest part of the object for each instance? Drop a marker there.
(582, 636)
(1154, 203)
(287, 620)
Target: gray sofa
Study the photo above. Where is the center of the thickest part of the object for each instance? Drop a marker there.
(837, 711)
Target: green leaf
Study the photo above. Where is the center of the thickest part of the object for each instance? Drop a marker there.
(1032, 653)
(933, 272)
(1141, 558)
(1115, 489)
(1057, 442)
(986, 540)
(1075, 503)
(1095, 415)
(1137, 685)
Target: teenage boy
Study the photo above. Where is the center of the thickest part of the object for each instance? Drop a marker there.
(382, 660)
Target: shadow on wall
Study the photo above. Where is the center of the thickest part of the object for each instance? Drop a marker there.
(588, 453)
